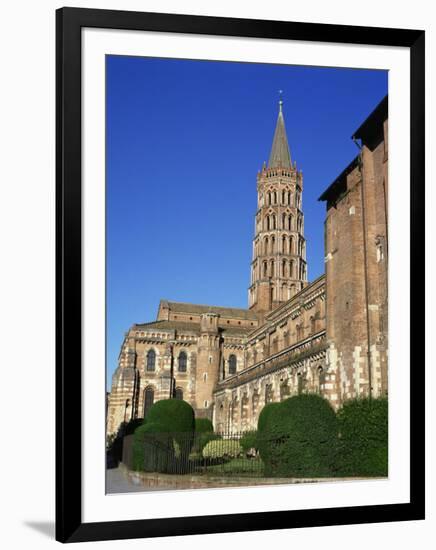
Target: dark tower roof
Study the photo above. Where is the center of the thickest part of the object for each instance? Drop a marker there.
(280, 156)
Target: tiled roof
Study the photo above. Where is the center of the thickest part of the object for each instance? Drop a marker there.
(167, 325)
(189, 327)
(239, 313)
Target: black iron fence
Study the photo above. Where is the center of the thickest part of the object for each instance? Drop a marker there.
(223, 454)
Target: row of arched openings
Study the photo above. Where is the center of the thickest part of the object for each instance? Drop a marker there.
(182, 361)
(270, 222)
(149, 397)
(272, 196)
(287, 268)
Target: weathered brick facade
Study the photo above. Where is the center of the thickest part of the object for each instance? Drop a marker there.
(328, 336)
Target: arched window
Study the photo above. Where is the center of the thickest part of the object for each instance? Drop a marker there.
(265, 248)
(320, 378)
(284, 244)
(274, 346)
(273, 221)
(289, 197)
(179, 394)
(289, 222)
(291, 245)
(275, 197)
(286, 339)
(283, 221)
(284, 269)
(232, 364)
(148, 399)
(299, 330)
(265, 269)
(183, 361)
(273, 244)
(291, 269)
(271, 268)
(267, 223)
(272, 294)
(283, 196)
(269, 394)
(151, 360)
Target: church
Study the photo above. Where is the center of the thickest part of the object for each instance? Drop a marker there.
(327, 336)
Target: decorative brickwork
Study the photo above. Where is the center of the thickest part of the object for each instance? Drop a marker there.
(329, 336)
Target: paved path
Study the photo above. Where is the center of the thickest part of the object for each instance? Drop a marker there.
(118, 482)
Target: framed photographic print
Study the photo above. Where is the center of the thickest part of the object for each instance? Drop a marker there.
(240, 232)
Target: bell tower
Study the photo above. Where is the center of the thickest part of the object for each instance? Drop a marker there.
(278, 269)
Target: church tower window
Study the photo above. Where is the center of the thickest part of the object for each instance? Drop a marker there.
(151, 360)
(183, 361)
(232, 364)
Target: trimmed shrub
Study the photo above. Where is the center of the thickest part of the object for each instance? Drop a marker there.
(176, 417)
(225, 448)
(152, 448)
(203, 425)
(132, 425)
(298, 436)
(264, 415)
(164, 440)
(249, 441)
(363, 442)
(201, 440)
(262, 423)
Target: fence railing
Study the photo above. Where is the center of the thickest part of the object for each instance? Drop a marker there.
(212, 454)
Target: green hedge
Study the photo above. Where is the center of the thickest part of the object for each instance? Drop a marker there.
(152, 448)
(176, 417)
(203, 425)
(363, 442)
(297, 437)
(163, 442)
(249, 441)
(223, 448)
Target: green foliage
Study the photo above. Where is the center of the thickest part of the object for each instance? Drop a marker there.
(224, 448)
(297, 437)
(176, 417)
(131, 426)
(265, 413)
(252, 467)
(363, 443)
(152, 448)
(203, 425)
(249, 441)
(201, 440)
(163, 442)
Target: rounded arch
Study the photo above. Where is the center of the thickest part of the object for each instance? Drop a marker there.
(291, 244)
(150, 360)
(284, 242)
(182, 362)
(232, 363)
(148, 399)
(178, 394)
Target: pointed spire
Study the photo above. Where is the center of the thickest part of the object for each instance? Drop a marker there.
(280, 155)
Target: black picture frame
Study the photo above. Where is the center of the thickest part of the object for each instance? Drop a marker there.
(69, 22)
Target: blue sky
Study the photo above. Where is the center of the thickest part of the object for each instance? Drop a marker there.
(185, 140)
